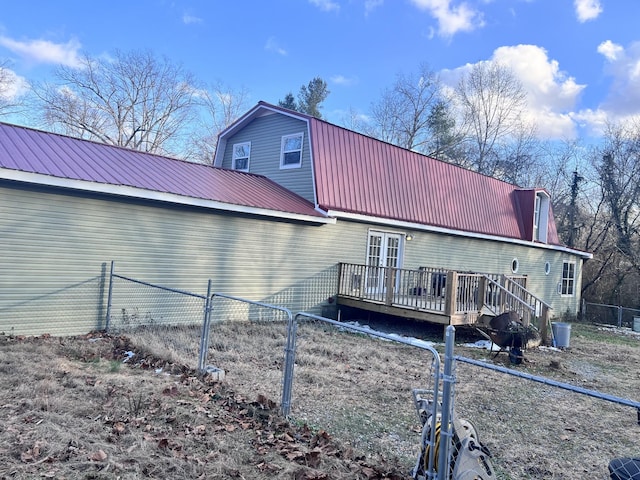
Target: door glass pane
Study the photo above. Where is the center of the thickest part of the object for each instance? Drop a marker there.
(393, 256)
(374, 261)
(393, 251)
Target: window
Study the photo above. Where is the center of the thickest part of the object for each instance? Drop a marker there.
(515, 265)
(568, 278)
(547, 268)
(291, 153)
(241, 153)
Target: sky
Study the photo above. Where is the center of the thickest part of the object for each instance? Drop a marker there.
(578, 60)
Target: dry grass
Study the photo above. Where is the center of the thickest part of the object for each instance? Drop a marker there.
(70, 408)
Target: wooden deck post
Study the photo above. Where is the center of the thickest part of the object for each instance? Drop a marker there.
(450, 297)
(389, 285)
(482, 294)
(544, 322)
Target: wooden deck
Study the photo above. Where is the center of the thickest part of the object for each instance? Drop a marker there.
(438, 296)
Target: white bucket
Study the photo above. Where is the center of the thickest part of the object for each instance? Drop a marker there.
(561, 334)
(636, 324)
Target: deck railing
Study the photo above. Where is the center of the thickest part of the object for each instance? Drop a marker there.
(440, 291)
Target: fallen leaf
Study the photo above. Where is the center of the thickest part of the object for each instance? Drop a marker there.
(119, 428)
(98, 456)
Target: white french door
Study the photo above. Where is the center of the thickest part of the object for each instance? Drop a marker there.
(383, 250)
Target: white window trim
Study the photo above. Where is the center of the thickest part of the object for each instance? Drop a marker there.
(515, 265)
(234, 158)
(541, 217)
(282, 151)
(562, 279)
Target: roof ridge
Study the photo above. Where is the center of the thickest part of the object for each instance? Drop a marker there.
(311, 118)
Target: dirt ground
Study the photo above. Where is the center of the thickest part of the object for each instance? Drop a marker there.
(108, 407)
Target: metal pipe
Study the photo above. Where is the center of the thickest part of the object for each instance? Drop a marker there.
(446, 425)
(554, 383)
(175, 290)
(109, 299)
(206, 325)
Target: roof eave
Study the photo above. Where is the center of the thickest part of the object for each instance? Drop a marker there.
(448, 231)
(143, 194)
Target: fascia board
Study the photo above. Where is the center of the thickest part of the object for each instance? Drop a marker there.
(133, 192)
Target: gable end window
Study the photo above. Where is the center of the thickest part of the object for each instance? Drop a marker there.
(241, 154)
(291, 151)
(567, 286)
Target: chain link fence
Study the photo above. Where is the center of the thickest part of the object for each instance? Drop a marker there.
(615, 315)
(160, 318)
(359, 387)
(204, 332)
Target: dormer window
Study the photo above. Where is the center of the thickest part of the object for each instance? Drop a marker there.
(241, 154)
(541, 217)
(291, 151)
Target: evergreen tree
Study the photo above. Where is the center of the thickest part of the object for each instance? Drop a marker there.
(310, 98)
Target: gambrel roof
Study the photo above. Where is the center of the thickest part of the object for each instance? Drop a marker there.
(363, 178)
(33, 156)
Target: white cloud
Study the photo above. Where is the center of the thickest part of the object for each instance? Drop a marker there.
(371, 5)
(342, 80)
(451, 18)
(189, 19)
(587, 9)
(326, 5)
(273, 46)
(44, 51)
(14, 86)
(610, 50)
(623, 65)
(552, 95)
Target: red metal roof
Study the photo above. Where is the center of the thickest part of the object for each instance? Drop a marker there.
(358, 174)
(33, 151)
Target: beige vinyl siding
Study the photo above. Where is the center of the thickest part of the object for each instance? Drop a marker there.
(57, 249)
(265, 134)
(468, 254)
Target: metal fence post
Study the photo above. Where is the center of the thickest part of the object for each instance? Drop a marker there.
(448, 380)
(206, 325)
(619, 316)
(109, 297)
(289, 361)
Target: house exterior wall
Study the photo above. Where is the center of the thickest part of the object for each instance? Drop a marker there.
(265, 134)
(57, 249)
(477, 255)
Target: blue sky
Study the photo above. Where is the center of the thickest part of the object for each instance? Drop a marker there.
(579, 60)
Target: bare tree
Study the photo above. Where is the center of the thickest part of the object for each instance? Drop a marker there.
(220, 106)
(492, 101)
(619, 171)
(9, 102)
(403, 115)
(607, 217)
(132, 100)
